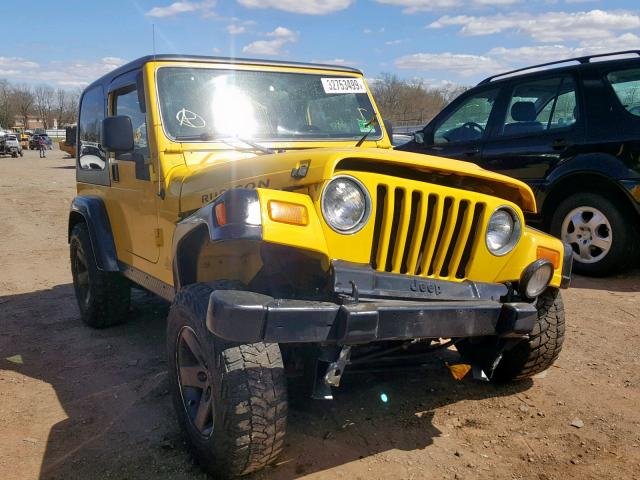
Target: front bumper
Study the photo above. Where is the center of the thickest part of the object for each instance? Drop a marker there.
(247, 317)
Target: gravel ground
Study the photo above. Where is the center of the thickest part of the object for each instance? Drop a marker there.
(80, 403)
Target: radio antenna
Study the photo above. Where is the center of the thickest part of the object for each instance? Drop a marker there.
(153, 35)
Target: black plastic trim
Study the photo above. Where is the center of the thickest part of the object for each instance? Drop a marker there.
(95, 216)
(241, 316)
(374, 284)
(242, 207)
(567, 266)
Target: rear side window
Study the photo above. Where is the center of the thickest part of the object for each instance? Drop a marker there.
(91, 154)
(541, 105)
(626, 84)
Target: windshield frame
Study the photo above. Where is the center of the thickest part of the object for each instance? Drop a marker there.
(270, 69)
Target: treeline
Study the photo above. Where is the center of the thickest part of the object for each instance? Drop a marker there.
(411, 102)
(45, 102)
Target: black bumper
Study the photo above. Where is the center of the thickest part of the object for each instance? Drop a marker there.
(246, 317)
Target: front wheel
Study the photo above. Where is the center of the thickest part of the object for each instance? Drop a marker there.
(230, 399)
(599, 232)
(528, 357)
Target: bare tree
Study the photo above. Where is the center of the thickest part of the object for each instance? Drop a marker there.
(43, 103)
(411, 102)
(7, 106)
(23, 100)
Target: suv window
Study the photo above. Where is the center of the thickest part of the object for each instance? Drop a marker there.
(541, 105)
(469, 121)
(92, 156)
(126, 103)
(626, 84)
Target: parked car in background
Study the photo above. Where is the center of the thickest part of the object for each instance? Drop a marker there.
(33, 141)
(572, 132)
(9, 145)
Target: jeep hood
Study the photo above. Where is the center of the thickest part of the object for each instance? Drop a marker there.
(206, 180)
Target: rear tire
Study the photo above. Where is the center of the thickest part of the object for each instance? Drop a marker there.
(574, 221)
(528, 357)
(240, 388)
(103, 297)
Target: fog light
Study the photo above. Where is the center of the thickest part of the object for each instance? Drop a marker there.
(535, 278)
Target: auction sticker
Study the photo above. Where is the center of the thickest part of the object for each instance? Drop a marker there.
(343, 85)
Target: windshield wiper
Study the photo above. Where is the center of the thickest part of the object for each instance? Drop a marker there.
(370, 123)
(229, 141)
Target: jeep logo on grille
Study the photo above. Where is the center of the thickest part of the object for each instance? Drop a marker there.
(425, 287)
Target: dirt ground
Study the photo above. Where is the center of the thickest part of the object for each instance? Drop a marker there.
(80, 403)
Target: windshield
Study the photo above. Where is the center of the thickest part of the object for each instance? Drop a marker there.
(206, 104)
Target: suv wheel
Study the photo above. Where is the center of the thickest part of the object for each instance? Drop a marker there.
(230, 399)
(527, 357)
(103, 297)
(598, 232)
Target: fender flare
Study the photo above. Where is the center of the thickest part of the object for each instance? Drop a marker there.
(243, 222)
(596, 163)
(92, 211)
(611, 170)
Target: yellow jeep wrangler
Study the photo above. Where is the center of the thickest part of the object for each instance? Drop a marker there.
(264, 200)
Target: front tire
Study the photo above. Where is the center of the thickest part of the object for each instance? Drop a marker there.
(103, 297)
(230, 399)
(531, 356)
(599, 232)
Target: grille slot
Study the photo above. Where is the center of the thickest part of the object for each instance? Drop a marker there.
(421, 233)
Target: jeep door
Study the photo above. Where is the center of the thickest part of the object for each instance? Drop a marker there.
(539, 124)
(460, 129)
(133, 196)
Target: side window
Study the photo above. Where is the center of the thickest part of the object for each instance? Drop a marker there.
(126, 103)
(467, 122)
(91, 154)
(541, 105)
(626, 84)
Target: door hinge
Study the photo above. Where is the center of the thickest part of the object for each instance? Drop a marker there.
(158, 235)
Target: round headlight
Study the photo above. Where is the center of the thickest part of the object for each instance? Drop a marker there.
(536, 278)
(503, 231)
(345, 204)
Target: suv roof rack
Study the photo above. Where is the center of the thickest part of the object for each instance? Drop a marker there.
(582, 60)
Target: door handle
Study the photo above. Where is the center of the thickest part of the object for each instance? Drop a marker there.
(559, 144)
(471, 152)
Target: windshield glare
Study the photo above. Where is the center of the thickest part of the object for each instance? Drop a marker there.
(207, 104)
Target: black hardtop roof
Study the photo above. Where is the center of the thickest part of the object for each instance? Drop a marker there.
(581, 62)
(139, 62)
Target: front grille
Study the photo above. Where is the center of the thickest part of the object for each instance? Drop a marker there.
(424, 233)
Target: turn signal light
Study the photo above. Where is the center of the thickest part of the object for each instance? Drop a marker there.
(551, 255)
(221, 214)
(286, 212)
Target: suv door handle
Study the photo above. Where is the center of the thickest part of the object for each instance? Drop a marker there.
(471, 151)
(559, 144)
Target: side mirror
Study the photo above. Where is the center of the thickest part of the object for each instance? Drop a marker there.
(388, 126)
(117, 134)
(418, 137)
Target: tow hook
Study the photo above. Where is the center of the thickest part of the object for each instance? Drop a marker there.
(328, 372)
(336, 369)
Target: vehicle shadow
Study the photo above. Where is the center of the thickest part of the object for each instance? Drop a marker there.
(116, 418)
(628, 281)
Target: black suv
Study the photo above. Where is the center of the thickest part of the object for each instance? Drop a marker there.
(573, 134)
